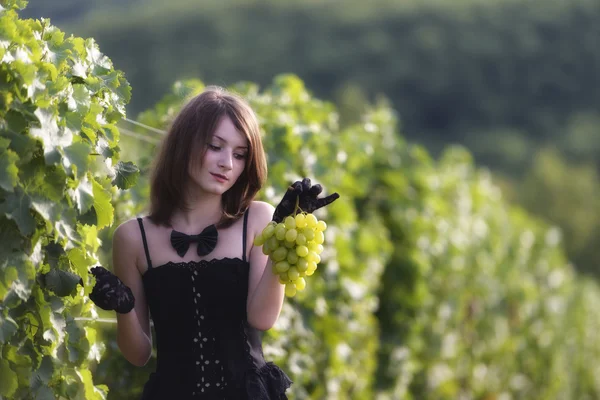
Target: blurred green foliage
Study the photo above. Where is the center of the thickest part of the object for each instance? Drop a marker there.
(450, 68)
(504, 78)
(432, 285)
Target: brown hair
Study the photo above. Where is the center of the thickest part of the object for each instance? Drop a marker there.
(188, 136)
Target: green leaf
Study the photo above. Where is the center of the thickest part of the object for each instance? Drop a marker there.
(102, 205)
(51, 134)
(79, 260)
(44, 393)
(59, 49)
(16, 207)
(79, 100)
(8, 379)
(22, 144)
(48, 209)
(89, 235)
(77, 158)
(54, 252)
(91, 392)
(62, 283)
(83, 195)
(77, 344)
(43, 374)
(9, 173)
(127, 175)
(8, 327)
(16, 121)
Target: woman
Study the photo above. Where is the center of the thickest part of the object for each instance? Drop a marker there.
(191, 265)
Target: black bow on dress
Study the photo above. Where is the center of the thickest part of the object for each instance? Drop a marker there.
(207, 241)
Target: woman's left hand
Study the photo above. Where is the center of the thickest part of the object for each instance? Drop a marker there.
(308, 201)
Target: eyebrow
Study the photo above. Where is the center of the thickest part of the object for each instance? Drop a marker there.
(225, 141)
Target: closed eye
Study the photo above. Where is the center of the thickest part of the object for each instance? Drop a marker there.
(213, 147)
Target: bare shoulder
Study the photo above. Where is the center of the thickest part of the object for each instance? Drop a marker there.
(261, 212)
(128, 233)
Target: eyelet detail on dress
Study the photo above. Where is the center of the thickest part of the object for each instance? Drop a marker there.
(213, 372)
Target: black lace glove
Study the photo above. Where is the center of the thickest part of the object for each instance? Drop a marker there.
(307, 199)
(110, 293)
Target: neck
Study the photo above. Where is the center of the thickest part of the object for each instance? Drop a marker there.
(201, 212)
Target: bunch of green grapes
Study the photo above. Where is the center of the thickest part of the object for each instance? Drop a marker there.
(294, 246)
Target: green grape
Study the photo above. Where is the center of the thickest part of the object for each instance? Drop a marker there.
(266, 249)
(300, 220)
(290, 222)
(291, 235)
(283, 279)
(308, 233)
(292, 257)
(317, 248)
(321, 226)
(300, 284)
(289, 245)
(293, 273)
(279, 254)
(300, 239)
(281, 266)
(311, 221)
(290, 289)
(309, 272)
(269, 230)
(273, 243)
(319, 237)
(302, 264)
(302, 251)
(280, 231)
(259, 240)
(314, 257)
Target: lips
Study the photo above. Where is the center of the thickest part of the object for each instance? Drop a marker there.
(220, 177)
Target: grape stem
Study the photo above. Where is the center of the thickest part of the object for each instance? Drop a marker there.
(296, 207)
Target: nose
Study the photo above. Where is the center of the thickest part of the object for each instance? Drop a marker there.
(226, 160)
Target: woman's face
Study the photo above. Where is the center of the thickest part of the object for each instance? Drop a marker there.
(223, 162)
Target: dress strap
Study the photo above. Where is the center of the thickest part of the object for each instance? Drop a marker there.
(145, 243)
(244, 237)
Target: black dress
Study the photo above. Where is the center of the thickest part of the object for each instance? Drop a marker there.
(205, 347)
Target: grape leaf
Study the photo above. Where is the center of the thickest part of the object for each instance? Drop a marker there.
(53, 253)
(79, 100)
(44, 393)
(83, 195)
(62, 283)
(8, 327)
(127, 174)
(16, 207)
(77, 158)
(91, 392)
(48, 209)
(102, 205)
(9, 173)
(8, 379)
(50, 134)
(43, 374)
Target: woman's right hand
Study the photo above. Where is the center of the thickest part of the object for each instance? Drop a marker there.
(110, 293)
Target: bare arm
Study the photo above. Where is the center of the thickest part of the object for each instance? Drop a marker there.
(265, 293)
(133, 329)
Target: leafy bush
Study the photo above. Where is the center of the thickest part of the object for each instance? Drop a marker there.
(60, 99)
